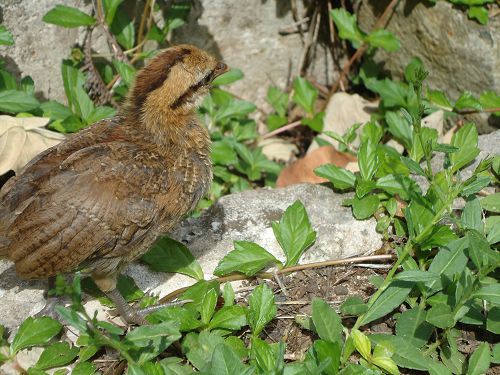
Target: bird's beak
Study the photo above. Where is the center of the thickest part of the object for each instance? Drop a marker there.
(221, 68)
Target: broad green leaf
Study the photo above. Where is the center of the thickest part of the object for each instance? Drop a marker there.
(478, 248)
(187, 316)
(494, 234)
(247, 258)
(168, 255)
(440, 316)
(261, 308)
(362, 343)
(207, 307)
(223, 153)
(14, 101)
(490, 100)
(399, 128)
(229, 317)
(368, 160)
(490, 293)
(123, 29)
(466, 140)
(226, 362)
(493, 320)
(305, 94)
(126, 71)
(199, 348)
(56, 355)
(228, 294)
(353, 306)
(327, 322)
(8, 82)
(328, 351)
(491, 203)
(412, 326)
(84, 107)
(448, 261)
(62, 15)
(476, 185)
(467, 101)
(229, 77)
(479, 361)
(479, 13)
(110, 7)
(100, 113)
(55, 110)
(398, 184)
(340, 178)
(393, 93)
(316, 122)
(294, 232)
(198, 291)
(385, 39)
(416, 276)
(6, 38)
(365, 207)
(73, 78)
(347, 25)
(388, 300)
(439, 99)
(274, 121)
(278, 99)
(34, 332)
(84, 368)
(72, 317)
(413, 166)
(440, 235)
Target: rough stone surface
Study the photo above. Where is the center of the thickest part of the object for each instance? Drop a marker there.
(460, 54)
(246, 35)
(243, 216)
(39, 47)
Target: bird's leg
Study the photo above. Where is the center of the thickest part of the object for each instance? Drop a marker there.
(107, 284)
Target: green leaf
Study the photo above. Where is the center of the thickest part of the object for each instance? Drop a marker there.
(14, 101)
(399, 128)
(72, 317)
(328, 351)
(228, 294)
(479, 361)
(491, 203)
(168, 255)
(416, 276)
(315, 123)
(123, 28)
(305, 94)
(362, 343)
(340, 178)
(261, 308)
(34, 332)
(327, 322)
(57, 355)
(294, 232)
(197, 291)
(479, 13)
(6, 38)
(472, 214)
(274, 121)
(110, 7)
(466, 140)
(493, 321)
(439, 99)
(84, 368)
(223, 153)
(368, 160)
(490, 293)
(229, 317)
(468, 101)
(148, 341)
(476, 185)
(278, 99)
(393, 93)
(247, 258)
(388, 300)
(199, 348)
(226, 362)
(207, 307)
(440, 316)
(126, 71)
(490, 100)
(65, 16)
(8, 82)
(347, 25)
(385, 39)
(100, 113)
(365, 207)
(412, 69)
(353, 306)
(229, 77)
(412, 326)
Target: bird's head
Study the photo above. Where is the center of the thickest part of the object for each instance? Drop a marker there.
(175, 81)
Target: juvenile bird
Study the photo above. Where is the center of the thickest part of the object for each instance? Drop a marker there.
(100, 199)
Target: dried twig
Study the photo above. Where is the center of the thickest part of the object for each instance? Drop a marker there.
(301, 267)
(282, 129)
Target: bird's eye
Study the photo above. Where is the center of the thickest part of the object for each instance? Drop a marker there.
(208, 78)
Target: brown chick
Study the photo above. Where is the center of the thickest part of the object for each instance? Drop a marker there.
(100, 199)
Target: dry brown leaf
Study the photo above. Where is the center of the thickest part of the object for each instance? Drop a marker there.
(302, 170)
(342, 112)
(278, 149)
(21, 139)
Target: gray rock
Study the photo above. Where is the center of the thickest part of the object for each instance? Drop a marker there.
(244, 216)
(460, 54)
(246, 35)
(39, 47)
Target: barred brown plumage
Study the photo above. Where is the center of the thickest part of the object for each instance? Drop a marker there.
(100, 199)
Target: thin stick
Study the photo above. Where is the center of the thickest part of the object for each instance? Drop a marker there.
(282, 129)
(300, 267)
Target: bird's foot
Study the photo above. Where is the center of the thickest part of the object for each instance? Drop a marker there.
(153, 308)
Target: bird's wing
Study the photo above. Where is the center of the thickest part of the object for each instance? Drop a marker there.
(103, 199)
